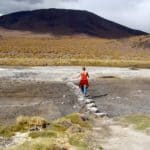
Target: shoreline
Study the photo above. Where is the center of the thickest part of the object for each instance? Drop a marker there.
(61, 73)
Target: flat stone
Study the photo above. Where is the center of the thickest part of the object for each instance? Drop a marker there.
(101, 114)
(91, 105)
(93, 109)
(88, 101)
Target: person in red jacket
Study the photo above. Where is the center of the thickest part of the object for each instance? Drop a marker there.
(84, 83)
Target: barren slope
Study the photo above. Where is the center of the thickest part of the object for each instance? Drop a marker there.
(66, 22)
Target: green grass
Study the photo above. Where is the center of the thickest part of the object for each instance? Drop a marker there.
(76, 119)
(60, 125)
(140, 122)
(78, 142)
(57, 136)
(39, 144)
(10, 130)
(48, 134)
(63, 124)
(23, 124)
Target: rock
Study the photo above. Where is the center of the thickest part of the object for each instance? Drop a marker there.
(74, 106)
(35, 128)
(84, 117)
(80, 99)
(101, 114)
(4, 142)
(93, 109)
(88, 101)
(91, 105)
(83, 109)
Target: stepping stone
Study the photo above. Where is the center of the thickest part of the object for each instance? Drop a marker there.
(88, 101)
(90, 105)
(101, 114)
(93, 109)
(81, 99)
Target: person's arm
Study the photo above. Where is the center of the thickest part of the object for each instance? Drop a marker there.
(77, 76)
(88, 75)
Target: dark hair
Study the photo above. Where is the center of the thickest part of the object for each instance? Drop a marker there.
(83, 68)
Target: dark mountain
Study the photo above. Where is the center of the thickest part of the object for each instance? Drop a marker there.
(65, 22)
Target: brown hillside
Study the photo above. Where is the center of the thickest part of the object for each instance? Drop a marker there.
(66, 22)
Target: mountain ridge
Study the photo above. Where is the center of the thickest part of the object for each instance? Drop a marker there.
(66, 22)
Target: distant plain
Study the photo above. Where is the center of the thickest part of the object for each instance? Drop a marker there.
(31, 49)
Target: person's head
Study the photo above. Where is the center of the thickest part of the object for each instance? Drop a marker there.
(83, 68)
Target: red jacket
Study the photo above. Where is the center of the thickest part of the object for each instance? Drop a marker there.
(84, 79)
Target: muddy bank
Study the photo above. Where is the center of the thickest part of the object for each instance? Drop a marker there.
(120, 97)
(34, 98)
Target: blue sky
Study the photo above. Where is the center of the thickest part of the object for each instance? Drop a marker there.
(132, 13)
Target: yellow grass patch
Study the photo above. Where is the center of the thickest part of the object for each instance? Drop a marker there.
(42, 51)
(31, 121)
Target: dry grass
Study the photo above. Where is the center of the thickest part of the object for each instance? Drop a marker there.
(140, 122)
(23, 124)
(43, 144)
(35, 51)
(75, 62)
(31, 121)
(58, 136)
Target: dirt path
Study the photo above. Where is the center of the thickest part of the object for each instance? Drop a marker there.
(125, 139)
(112, 136)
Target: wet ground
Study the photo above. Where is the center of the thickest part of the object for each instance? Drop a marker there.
(42, 91)
(47, 99)
(120, 97)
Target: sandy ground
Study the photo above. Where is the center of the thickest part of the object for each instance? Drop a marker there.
(126, 139)
(112, 136)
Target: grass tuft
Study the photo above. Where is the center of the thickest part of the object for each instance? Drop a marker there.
(10, 130)
(140, 122)
(23, 124)
(40, 144)
(31, 121)
(48, 134)
(65, 133)
(77, 141)
(76, 119)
